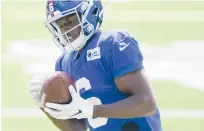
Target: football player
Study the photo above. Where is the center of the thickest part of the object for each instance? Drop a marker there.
(113, 93)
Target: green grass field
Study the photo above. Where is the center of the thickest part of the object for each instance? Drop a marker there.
(43, 124)
(24, 20)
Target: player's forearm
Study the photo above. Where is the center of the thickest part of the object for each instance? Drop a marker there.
(131, 107)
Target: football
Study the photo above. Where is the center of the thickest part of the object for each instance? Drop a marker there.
(55, 90)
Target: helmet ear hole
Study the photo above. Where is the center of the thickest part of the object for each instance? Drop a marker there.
(95, 11)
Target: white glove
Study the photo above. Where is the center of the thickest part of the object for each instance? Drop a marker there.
(78, 108)
(35, 87)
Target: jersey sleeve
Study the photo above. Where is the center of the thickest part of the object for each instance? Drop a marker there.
(58, 64)
(126, 55)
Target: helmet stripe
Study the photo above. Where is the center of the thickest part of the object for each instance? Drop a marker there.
(51, 7)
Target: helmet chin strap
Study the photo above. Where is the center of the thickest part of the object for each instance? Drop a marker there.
(63, 41)
(76, 45)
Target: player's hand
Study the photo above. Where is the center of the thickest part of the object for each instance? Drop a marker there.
(35, 87)
(78, 108)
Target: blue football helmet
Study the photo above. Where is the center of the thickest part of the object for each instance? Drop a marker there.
(89, 14)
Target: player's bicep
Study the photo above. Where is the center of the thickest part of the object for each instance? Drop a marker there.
(58, 64)
(133, 83)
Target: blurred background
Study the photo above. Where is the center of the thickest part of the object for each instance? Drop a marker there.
(171, 37)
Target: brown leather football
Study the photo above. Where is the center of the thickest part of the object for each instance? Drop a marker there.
(55, 90)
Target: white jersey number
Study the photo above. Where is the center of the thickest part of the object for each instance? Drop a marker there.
(84, 83)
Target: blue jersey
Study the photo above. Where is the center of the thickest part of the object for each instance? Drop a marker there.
(107, 56)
